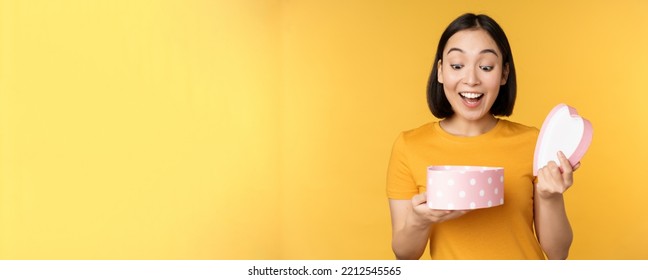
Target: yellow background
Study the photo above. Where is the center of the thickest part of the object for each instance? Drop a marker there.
(262, 129)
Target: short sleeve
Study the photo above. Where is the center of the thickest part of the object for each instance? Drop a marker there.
(400, 182)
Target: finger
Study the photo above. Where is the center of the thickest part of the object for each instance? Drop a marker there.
(545, 176)
(456, 214)
(578, 164)
(552, 169)
(555, 172)
(567, 175)
(564, 163)
(551, 175)
(546, 180)
(440, 213)
(463, 212)
(552, 164)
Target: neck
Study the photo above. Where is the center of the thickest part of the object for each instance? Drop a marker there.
(463, 127)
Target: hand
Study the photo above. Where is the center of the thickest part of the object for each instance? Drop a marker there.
(554, 180)
(428, 216)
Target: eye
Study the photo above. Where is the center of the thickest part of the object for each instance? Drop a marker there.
(486, 68)
(456, 66)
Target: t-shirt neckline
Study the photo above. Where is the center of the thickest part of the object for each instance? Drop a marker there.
(488, 134)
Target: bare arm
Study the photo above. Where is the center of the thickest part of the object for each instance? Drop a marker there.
(411, 225)
(553, 229)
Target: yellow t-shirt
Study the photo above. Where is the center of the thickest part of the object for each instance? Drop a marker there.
(502, 232)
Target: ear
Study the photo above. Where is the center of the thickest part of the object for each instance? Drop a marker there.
(505, 73)
(439, 72)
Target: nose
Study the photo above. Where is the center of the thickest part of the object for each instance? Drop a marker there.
(471, 77)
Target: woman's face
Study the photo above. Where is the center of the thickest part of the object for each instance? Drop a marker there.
(471, 72)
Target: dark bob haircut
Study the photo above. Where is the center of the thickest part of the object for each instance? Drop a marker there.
(505, 101)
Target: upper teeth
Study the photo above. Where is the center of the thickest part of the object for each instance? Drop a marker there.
(470, 94)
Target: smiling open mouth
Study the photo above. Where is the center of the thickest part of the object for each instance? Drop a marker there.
(471, 96)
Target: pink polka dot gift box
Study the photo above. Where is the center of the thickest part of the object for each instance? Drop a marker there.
(464, 187)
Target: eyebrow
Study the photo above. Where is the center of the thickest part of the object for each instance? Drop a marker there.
(483, 51)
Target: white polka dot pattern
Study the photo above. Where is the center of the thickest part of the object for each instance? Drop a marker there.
(464, 187)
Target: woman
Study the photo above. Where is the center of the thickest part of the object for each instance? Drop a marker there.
(471, 84)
